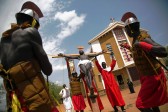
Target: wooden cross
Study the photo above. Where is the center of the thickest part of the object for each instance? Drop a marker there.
(92, 97)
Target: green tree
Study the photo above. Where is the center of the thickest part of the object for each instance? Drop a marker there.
(54, 91)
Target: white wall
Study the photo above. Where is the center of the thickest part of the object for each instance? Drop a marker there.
(96, 47)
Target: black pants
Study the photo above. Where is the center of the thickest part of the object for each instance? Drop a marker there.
(116, 110)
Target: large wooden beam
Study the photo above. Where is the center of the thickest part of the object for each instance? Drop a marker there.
(56, 56)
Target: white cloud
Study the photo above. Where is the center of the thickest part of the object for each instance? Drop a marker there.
(58, 82)
(52, 45)
(59, 67)
(47, 6)
(70, 22)
(65, 16)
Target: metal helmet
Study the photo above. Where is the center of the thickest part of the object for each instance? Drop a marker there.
(29, 12)
(131, 24)
(32, 10)
(129, 18)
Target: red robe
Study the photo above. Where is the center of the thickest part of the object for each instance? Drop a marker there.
(152, 87)
(112, 88)
(153, 92)
(78, 102)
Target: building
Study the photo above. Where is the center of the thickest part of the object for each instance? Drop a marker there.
(110, 39)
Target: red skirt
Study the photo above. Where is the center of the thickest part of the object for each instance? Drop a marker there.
(78, 102)
(153, 91)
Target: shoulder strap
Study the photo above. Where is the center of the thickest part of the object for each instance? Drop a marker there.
(143, 35)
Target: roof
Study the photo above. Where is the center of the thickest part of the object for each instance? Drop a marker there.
(109, 28)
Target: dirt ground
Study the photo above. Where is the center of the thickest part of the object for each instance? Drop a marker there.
(128, 98)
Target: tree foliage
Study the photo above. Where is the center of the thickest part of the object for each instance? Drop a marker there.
(54, 91)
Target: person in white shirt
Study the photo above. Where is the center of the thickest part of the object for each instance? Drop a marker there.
(65, 94)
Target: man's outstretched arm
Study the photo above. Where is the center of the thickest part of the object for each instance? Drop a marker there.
(98, 65)
(67, 56)
(113, 63)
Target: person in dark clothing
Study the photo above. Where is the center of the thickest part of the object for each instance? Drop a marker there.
(130, 86)
(23, 58)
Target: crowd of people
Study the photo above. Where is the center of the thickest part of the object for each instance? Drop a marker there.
(23, 60)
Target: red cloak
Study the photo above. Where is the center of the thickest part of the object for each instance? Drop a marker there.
(112, 88)
(78, 102)
(152, 87)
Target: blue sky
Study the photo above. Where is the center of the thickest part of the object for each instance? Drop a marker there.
(69, 23)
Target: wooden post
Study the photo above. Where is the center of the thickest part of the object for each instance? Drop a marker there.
(94, 103)
(92, 99)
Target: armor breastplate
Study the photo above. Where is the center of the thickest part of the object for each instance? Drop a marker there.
(75, 87)
(144, 62)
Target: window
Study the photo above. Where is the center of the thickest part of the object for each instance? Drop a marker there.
(121, 38)
(119, 34)
(109, 48)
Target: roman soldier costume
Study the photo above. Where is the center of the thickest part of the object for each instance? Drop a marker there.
(145, 63)
(23, 58)
(77, 97)
(153, 92)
